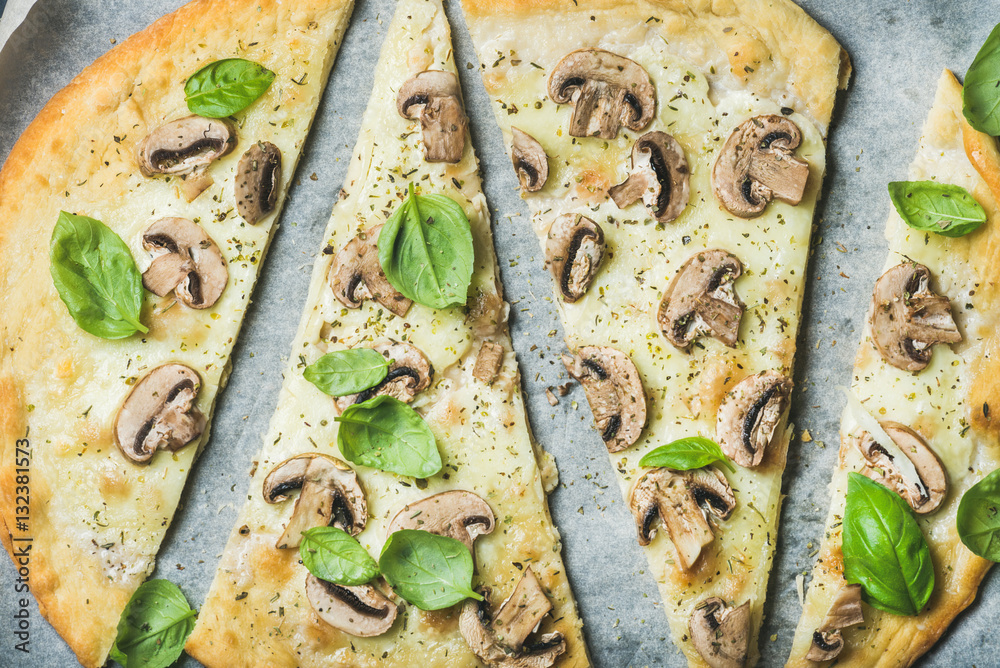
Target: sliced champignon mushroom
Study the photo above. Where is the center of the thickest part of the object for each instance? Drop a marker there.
(660, 177)
(908, 318)
(749, 416)
(185, 261)
(924, 495)
(360, 610)
(356, 275)
(681, 501)
(410, 372)
(721, 633)
(757, 164)
(530, 161)
(574, 251)
(435, 98)
(614, 392)
(159, 413)
(488, 362)
(701, 299)
(457, 514)
(827, 640)
(606, 90)
(258, 179)
(331, 496)
(184, 145)
(500, 641)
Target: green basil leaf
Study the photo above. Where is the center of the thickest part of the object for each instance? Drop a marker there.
(386, 434)
(153, 627)
(429, 571)
(347, 371)
(425, 249)
(96, 277)
(884, 550)
(981, 92)
(941, 208)
(226, 87)
(978, 519)
(334, 555)
(685, 454)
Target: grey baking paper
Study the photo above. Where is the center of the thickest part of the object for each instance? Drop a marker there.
(11, 16)
(898, 50)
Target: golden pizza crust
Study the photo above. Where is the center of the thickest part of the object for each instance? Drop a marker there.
(96, 520)
(952, 152)
(256, 612)
(768, 44)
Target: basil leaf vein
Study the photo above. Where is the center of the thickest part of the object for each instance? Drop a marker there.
(693, 452)
(226, 87)
(981, 92)
(425, 249)
(942, 208)
(978, 519)
(386, 434)
(334, 555)
(430, 571)
(884, 550)
(153, 627)
(96, 277)
(347, 371)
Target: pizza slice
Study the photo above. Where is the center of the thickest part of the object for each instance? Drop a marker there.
(671, 155)
(169, 158)
(344, 472)
(918, 421)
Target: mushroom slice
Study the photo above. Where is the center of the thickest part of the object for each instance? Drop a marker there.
(701, 299)
(614, 392)
(574, 251)
(457, 514)
(908, 318)
(184, 145)
(356, 275)
(681, 500)
(331, 496)
(827, 640)
(159, 412)
(757, 164)
(436, 99)
(500, 641)
(360, 610)
(924, 495)
(488, 362)
(606, 90)
(185, 261)
(530, 161)
(660, 177)
(409, 373)
(749, 416)
(721, 633)
(258, 179)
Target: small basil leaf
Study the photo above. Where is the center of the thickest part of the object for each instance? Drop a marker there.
(347, 371)
(685, 454)
(96, 277)
(978, 518)
(386, 434)
(884, 550)
(942, 208)
(425, 249)
(153, 627)
(981, 92)
(334, 555)
(429, 571)
(226, 87)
